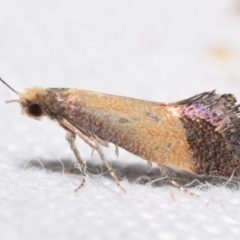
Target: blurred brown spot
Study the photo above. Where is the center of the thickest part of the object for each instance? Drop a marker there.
(221, 52)
(237, 6)
(225, 53)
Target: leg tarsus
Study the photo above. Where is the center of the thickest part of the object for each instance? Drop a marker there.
(110, 170)
(164, 172)
(70, 137)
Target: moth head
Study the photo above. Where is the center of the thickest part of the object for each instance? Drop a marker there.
(31, 101)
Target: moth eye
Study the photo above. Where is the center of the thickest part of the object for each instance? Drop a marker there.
(34, 109)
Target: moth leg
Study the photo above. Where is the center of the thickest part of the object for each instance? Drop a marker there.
(93, 144)
(109, 168)
(164, 171)
(70, 137)
(116, 150)
(149, 166)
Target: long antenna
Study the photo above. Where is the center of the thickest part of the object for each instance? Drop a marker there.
(9, 86)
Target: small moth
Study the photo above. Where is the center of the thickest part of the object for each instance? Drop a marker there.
(200, 134)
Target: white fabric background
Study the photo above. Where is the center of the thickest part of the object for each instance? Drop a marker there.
(154, 50)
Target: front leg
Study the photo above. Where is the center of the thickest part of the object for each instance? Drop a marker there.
(92, 143)
(70, 137)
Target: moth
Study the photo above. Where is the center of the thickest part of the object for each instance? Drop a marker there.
(200, 134)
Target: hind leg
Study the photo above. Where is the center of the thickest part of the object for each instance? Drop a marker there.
(165, 171)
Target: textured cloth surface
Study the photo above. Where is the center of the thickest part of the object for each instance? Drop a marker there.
(155, 50)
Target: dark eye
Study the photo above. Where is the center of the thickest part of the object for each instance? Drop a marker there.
(34, 109)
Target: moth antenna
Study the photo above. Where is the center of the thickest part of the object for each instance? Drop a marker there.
(10, 88)
(11, 101)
